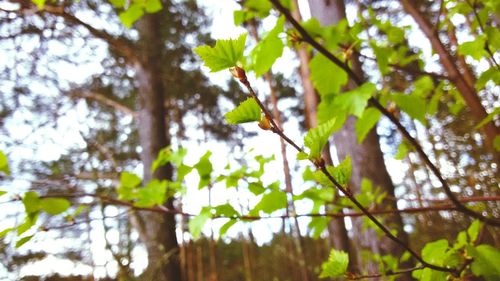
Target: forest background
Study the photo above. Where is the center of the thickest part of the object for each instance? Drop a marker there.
(121, 157)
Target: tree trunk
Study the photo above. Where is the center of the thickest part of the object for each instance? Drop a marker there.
(367, 158)
(460, 81)
(338, 237)
(157, 231)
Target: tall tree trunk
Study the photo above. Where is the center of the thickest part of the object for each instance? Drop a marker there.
(448, 61)
(338, 237)
(157, 231)
(367, 158)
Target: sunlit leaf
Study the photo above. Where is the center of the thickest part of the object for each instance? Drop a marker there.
(55, 206)
(131, 15)
(326, 76)
(247, 111)
(270, 202)
(336, 265)
(204, 168)
(225, 53)
(366, 122)
(32, 202)
(23, 241)
(4, 164)
(485, 262)
(196, 224)
(154, 193)
(316, 138)
(268, 49)
(354, 101)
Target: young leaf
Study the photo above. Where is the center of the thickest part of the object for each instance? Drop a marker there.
(5, 231)
(485, 262)
(366, 122)
(354, 102)
(225, 210)
(474, 48)
(317, 226)
(247, 111)
(270, 202)
(402, 151)
(4, 163)
(326, 76)
(225, 53)
(335, 266)
(473, 230)
(196, 224)
(23, 241)
(2, 192)
(31, 202)
(128, 184)
(268, 50)
(223, 230)
(316, 138)
(131, 15)
(55, 206)
(154, 193)
(342, 172)
(413, 105)
(204, 168)
(488, 118)
(435, 252)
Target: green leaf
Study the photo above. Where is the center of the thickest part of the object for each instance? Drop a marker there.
(435, 252)
(485, 263)
(118, 3)
(204, 168)
(5, 231)
(496, 143)
(413, 105)
(225, 210)
(4, 164)
(2, 192)
(39, 3)
(262, 7)
(225, 53)
(316, 138)
(492, 74)
(128, 184)
(224, 228)
(270, 202)
(354, 102)
(336, 265)
(131, 15)
(196, 224)
(28, 223)
(55, 206)
(317, 226)
(153, 6)
(154, 193)
(182, 171)
(474, 48)
(32, 202)
(402, 151)
(473, 230)
(326, 76)
(247, 111)
(268, 49)
(366, 122)
(423, 86)
(488, 118)
(342, 172)
(23, 241)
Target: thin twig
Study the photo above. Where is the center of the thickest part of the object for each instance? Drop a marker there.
(388, 273)
(375, 103)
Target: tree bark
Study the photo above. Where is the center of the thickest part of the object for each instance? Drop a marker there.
(467, 92)
(157, 231)
(338, 237)
(367, 158)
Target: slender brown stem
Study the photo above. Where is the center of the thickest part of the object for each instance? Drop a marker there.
(389, 273)
(375, 103)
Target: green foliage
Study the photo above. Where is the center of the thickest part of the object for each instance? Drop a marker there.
(336, 265)
(54, 206)
(402, 151)
(316, 138)
(128, 183)
(318, 225)
(32, 202)
(414, 105)
(341, 173)
(268, 49)
(204, 168)
(247, 111)
(326, 76)
(270, 202)
(154, 193)
(196, 224)
(4, 164)
(225, 53)
(485, 262)
(355, 101)
(135, 10)
(489, 118)
(474, 48)
(366, 122)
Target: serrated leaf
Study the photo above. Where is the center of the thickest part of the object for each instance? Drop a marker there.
(342, 172)
(268, 49)
(131, 15)
(23, 241)
(316, 138)
(336, 265)
(225, 53)
(154, 193)
(55, 206)
(355, 101)
(270, 202)
(366, 122)
(32, 202)
(247, 111)
(326, 76)
(196, 224)
(4, 164)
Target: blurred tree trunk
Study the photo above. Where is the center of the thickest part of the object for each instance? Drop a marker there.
(157, 231)
(338, 238)
(367, 158)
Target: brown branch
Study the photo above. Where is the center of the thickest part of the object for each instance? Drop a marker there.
(104, 100)
(373, 102)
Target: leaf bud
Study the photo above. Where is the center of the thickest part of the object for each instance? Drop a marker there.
(238, 72)
(264, 123)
